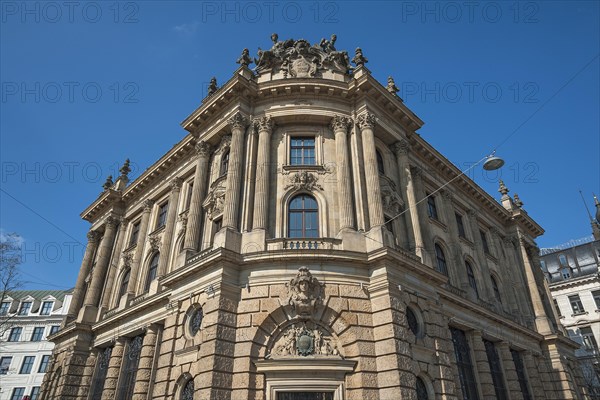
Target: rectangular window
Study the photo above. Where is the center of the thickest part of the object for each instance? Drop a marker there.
(466, 374)
(576, 304)
(38, 333)
(46, 308)
(162, 215)
(484, 242)
(100, 375)
(520, 367)
(5, 365)
(35, 393)
(17, 393)
(15, 334)
(188, 201)
(302, 151)
(27, 365)
(596, 296)
(129, 369)
(557, 308)
(431, 208)
(135, 233)
(461, 226)
(495, 370)
(54, 329)
(4, 308)
(25, 307)
(44, 364)
(589, 341)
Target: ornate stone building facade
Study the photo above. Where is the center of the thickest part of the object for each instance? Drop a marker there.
(296, 245)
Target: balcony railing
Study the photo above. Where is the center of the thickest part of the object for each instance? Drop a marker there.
(304, 244)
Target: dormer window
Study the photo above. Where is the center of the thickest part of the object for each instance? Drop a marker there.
(566, 273)
(4, 308)
(302, 150)
(25, 307)
(563, 260)
(46, 308)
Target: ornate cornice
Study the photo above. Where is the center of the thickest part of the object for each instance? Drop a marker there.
(367, 120)
(238, 121)
(264, 124)
(340, 123)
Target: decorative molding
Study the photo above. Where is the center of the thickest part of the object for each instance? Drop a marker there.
(127, 258)
(203, 149)
(112, 221)
(176, 183)
(148, 204)
(238, 121)
(401, 147)
(303, 180)
(302, 340)
(154, 240)
(93, 236)
(367, 120)
(359, 59)
(304, 293)
(215, 200)
(264, 124)
(224, 144)
(340, 123)
(391, 199)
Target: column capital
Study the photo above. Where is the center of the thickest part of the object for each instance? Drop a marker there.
(203, 149)
(367, 120)
(472, 213)
(401, 147)
(93, 237)
(340, 123)
(238, 121)
(112, 221)
(264, 124)
(148, 204)
(446, 194)
(416, 171)
(175, 184)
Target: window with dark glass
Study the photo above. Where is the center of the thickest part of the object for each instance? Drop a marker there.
(27, 364)
(188, 391)
(484, 242)
(557, 308)
(196, 321)
(566, 273)
(576, 304)
(520, 367)
(100, 375)
(25, 307)
(495, 370)
(303, 217)
(302, 150)
(46, 308)
(4, 308)
(589, 341)
(54, 329)
(421, 390)
(380, 165)
(35, 393)
(461, 226)
(44, 364)
(188, 200)
(135, 233)
(563, 260)
(124, 283)
(15, 334)
(129, 369)
(218, 224)
(413, 322)
(471, 276)
(17, 393)
(5, 365)
(466, 374)
(38, 333)
(441, 260)
(224, 163)
(496, 290)
(152, 270)
(596, 296)
(431, 208)
(162, 215)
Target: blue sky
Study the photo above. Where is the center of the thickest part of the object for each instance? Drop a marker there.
(87, 84)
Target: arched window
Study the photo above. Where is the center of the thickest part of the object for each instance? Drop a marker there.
(124, 283)
(441, 260)
(152, 271)
(188, 391)
(224, 163)
(380, 165)
(496, 290)
(471, 276)
(303, 217)
(421, 389)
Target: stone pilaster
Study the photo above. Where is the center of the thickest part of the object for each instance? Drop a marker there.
(92, 297)
(114, 368)
(367, 122)
(401, 149)
(195, 215)
(231, 207)
(486, 384)
(459, 272)
(510, 373)
(264, 126)
(485, 291)
(165, 249)
(139, 248)
(86, 266)
(86, 378)
(114, 265)
(531, 364)
(146, 362)
(416, 197)
(340, 126)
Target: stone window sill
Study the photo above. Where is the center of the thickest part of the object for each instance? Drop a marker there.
(439, 223)
(579, 313)
(466, 241)
(308, 167)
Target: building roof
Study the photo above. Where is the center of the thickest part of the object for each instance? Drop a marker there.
(39, 294)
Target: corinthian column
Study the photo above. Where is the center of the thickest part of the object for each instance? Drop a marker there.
(86, 266)
(170, 226)
(339, 126)
(413, 230)
(134, 277)
(99, 274)
(366, 122)
(194, 222)
(114, 265)
(264, 126)
(232, 196)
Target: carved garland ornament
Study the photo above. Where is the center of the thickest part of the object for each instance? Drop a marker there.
(303, 180)
(302, 340)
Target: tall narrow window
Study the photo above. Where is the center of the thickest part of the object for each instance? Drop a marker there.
(495, 370)
(162, 215)
(35, 393)
(38, 333)
(302, 150)
(461, 226)
(15, 334)
(557, 308)
(188, 200)
(589, 341)
(17, 393)
(471, 276)
(380, 165)
(188, 391)
(484, 242)
(129, 369)
(5, 365)
(496, 290)
(563, 260)
(565, 272)
(224, 163)
(303, 217)
(46, 308)
(431, 207)
(4, 308)
(44, 364)
(576, 304)
(421, 390)
(520, 367)
(25, 307)
(100, 375)
(135, 233)
(441, 260)
(466, 374)
(596, 296)
(27, 364)
(124, 283)
(152, 270)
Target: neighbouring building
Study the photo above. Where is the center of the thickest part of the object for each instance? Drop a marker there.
(572, 271)
(302, 241)
(27, 318)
